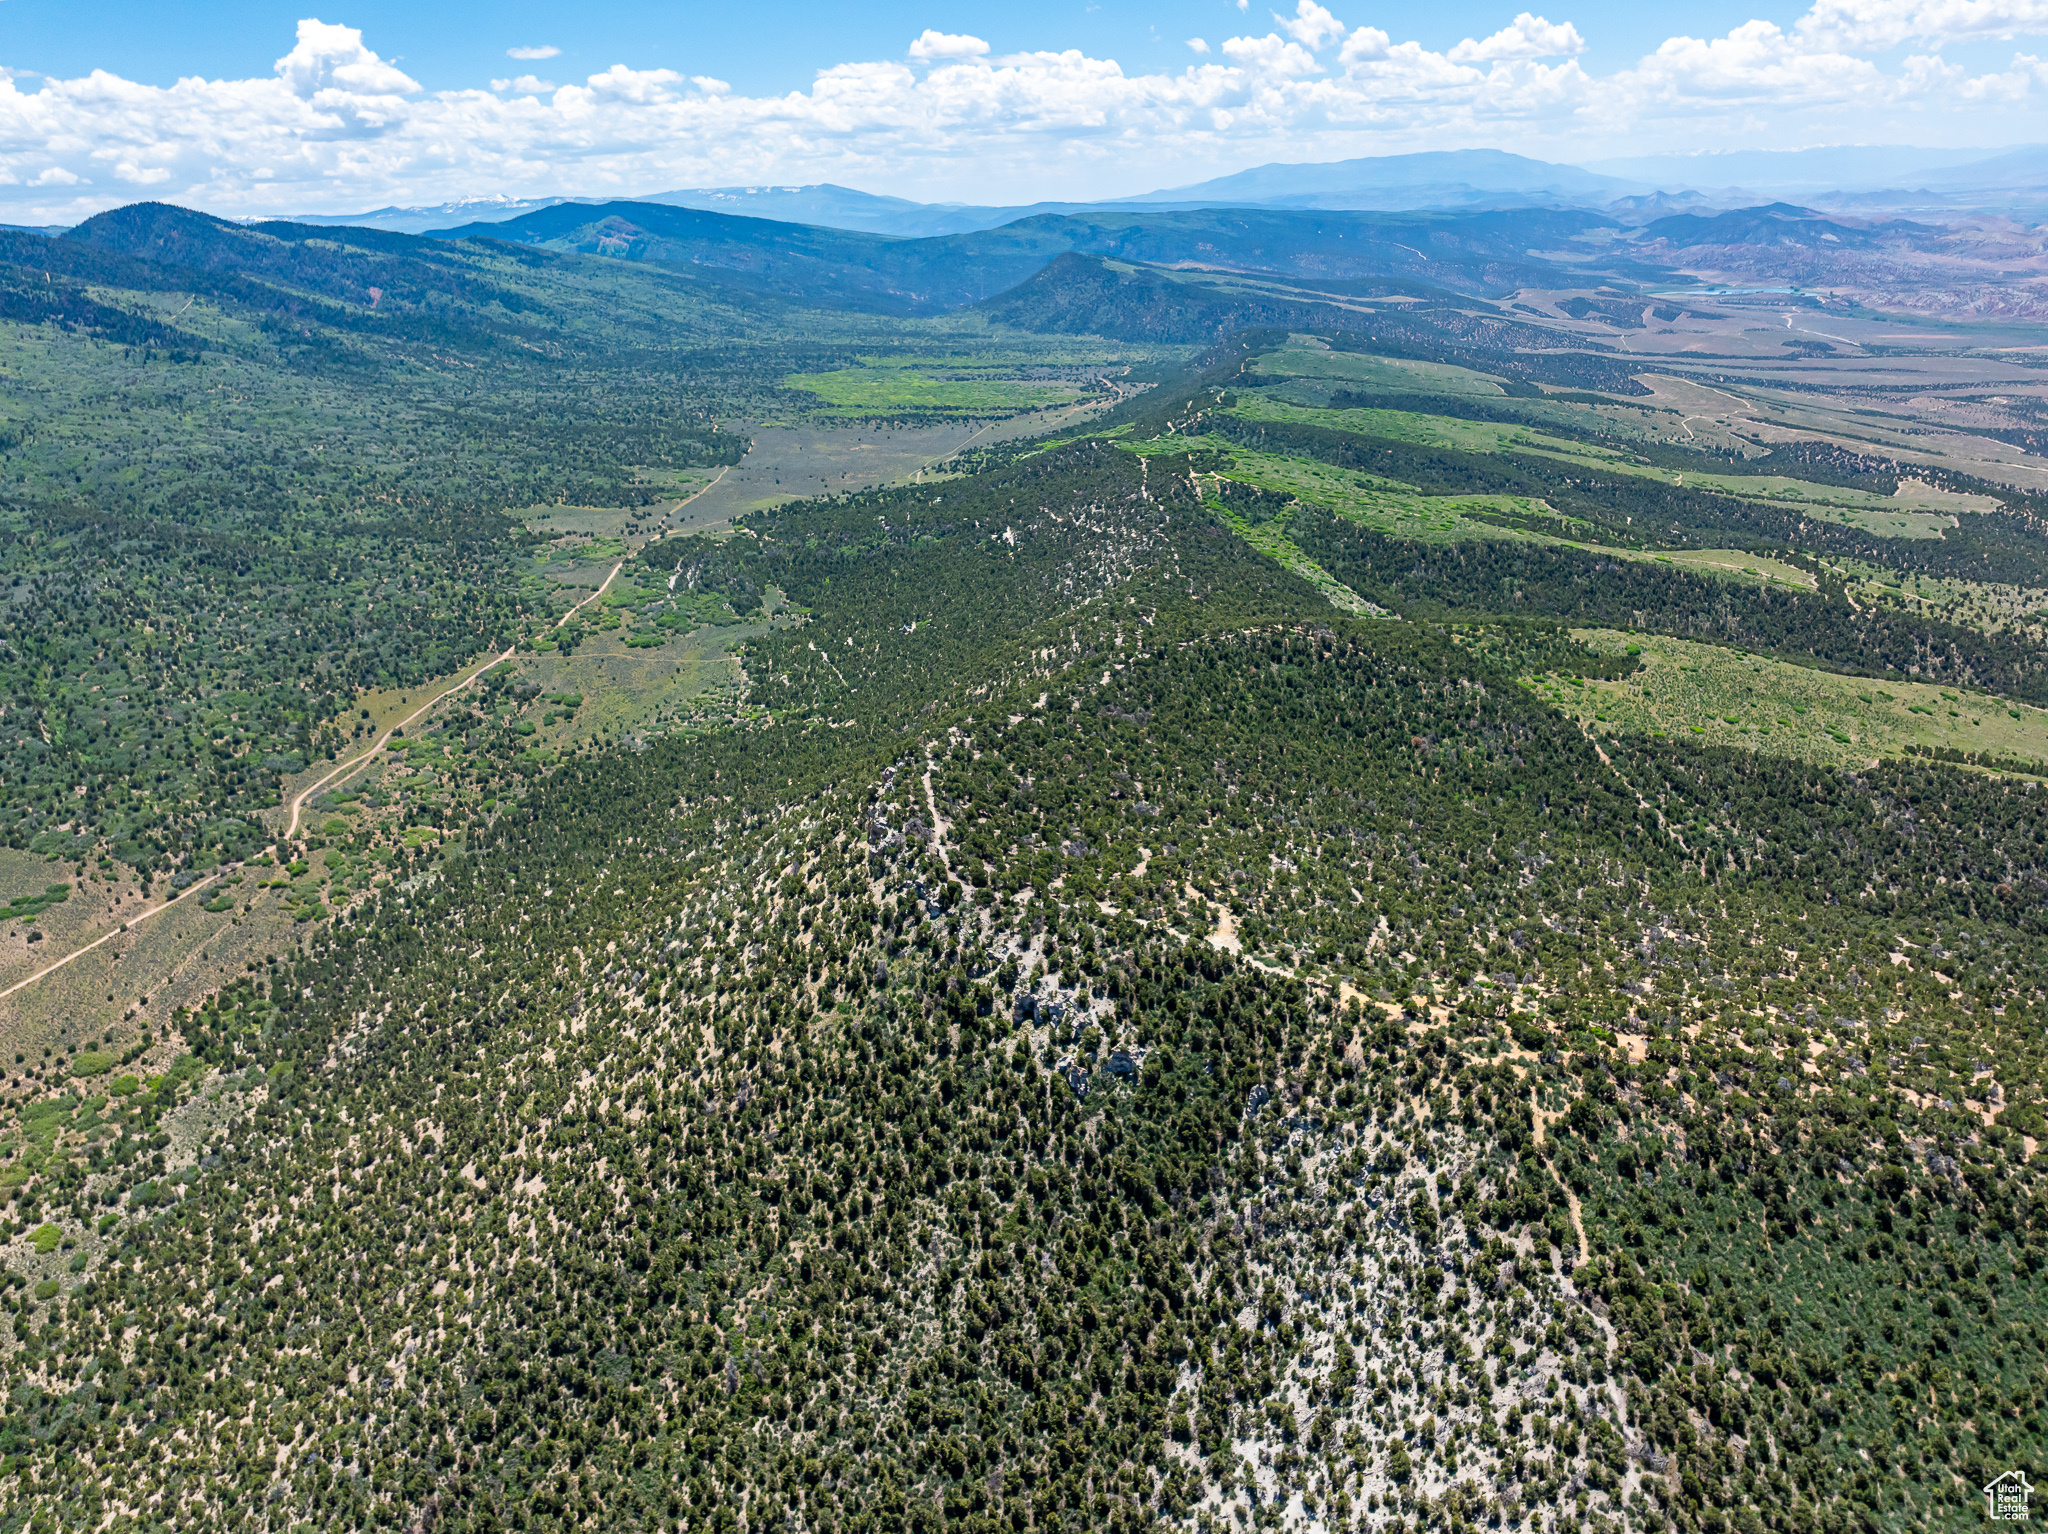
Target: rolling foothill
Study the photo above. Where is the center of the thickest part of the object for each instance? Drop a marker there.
(1188, 866)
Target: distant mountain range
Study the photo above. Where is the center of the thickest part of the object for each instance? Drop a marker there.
(1324, 257)
(1843, 178)
(1469, 178)
(1797, 172)
(1358, 251)
(1893, 178)
(418, 220)
(1459, 178)
(1469, 223)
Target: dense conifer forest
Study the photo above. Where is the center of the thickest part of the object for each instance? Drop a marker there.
(1101, 1034)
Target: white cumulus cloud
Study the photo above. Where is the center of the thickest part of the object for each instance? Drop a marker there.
(1198, 45)
(530, 54)
(1526, 37)
(337, 127)
(1311, 25)
(1364, 44)
(1872, 26)
(1271, 54)
(1755, 65)
(622, 86)
(334, 59)
(946, 45)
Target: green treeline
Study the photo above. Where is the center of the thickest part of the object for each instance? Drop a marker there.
(244, 475)
(1101, 1041)
(724, 1136)
(1646, 513)
(1584, 586)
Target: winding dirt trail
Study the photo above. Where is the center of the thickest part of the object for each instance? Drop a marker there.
(78, 953)
(299, 802)
(702, 490)
(710, 487)
(1571, 1199)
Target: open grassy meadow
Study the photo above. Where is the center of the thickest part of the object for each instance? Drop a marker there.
(867, 392)
(787, 461)
(1917, 511)
(1990, 606)
(1381, 504)
(690, 678)
(1709, 693)
(1734, 565)
(1270, 538)
(1390, 508)
(1313, 359)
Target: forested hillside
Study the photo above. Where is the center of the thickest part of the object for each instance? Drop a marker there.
(1117, 1042)
(245, 473)
(1157, 995)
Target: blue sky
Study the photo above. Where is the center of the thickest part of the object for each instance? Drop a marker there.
(760, 48)
(250, 106)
